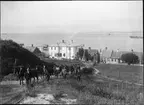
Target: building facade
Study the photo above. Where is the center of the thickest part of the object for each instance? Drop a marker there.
(63, 50)
(105, 56)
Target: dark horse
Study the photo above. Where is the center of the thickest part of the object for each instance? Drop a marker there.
(31, 73)
(40, 71)
(21, 73)
(57, 71)
(78, 73)
(48, 71)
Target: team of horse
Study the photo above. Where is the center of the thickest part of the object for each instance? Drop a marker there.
(43, 71)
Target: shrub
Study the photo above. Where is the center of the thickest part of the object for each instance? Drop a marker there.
(88, 70)
(130, 58)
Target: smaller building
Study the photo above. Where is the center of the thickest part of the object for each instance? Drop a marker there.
(94, 53)
(21, 44)
(44, 49)
(116, 57)
(33, 49)
(105, 56)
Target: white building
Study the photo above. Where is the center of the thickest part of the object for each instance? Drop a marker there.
(66, 50)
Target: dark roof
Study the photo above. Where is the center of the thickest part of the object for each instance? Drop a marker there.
(106, 53)
(117, 54)
(32, 49)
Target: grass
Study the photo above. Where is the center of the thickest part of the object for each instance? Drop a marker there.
(91, 90)
(123, 72)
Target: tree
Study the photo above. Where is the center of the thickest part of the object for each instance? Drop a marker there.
(80, 53)
(9, 51)
(98, 54)
(130, 58)
(87, 55)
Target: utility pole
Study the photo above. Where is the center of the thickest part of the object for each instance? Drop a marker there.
(58, 50)
(83, 55)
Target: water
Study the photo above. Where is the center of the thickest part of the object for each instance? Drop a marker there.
(120, 41)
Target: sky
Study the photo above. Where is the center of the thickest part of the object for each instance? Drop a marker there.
(85, 22)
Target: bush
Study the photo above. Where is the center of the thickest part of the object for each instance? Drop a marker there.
(88, 70)
(130, 58)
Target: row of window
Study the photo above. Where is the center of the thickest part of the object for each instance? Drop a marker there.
(58, 54)
(54, 48)
(111, 59)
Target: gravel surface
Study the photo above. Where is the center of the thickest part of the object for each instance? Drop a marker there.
(46, 99)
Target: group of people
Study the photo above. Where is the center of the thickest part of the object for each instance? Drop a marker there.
(64, 70)
(43, 71)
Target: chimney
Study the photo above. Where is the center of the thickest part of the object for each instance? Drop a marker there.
(63, 41)
(100, 50)
(89, 48)
(32, 45)
(106, 48)
(21, 44)
(132, 50)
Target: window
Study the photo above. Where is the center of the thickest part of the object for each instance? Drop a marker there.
(60, 54)
(64, 54)
(69, 48)
(45, 49)
(51, 48)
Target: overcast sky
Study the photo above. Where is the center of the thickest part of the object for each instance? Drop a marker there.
(70, 19)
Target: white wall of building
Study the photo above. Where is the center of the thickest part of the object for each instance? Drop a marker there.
(53, 50)
(67, 51)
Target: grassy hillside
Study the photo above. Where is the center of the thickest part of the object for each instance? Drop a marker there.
(63, 62)
(123, 72)
(9, 51)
